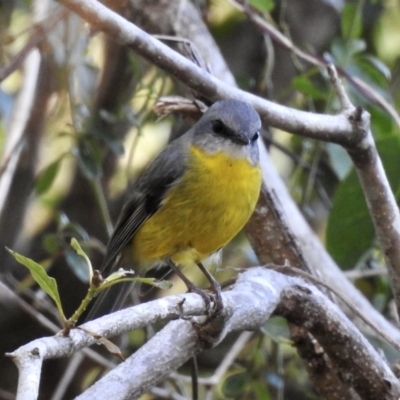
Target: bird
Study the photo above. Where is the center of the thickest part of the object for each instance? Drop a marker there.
(191, 200)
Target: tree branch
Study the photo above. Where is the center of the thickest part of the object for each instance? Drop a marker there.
(380, 199)
(332, 333)
(319, 367)
(335, 128)
(364, 88)
(256, 295)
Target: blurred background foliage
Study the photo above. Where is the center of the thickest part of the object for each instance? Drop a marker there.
(69, 157)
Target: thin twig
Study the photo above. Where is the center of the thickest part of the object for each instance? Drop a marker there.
(225, 364)
(363, 87)
(365, 273)
(68, 376)
(51, 327)
(40, 31)
(341, 93)
(19, 119)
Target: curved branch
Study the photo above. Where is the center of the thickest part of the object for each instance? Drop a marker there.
(334, 128)
(257, 294)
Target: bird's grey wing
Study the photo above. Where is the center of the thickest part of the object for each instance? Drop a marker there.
(166, 169)
(148, 193)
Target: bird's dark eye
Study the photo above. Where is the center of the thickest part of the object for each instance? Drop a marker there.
(255, 136)
(217, 126)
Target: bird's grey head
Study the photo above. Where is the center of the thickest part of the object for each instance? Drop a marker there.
(231, 125)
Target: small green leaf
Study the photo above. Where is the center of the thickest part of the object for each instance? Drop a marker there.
(50, 243)
(47, 176)
(350, 232)
(304, 85)
(77, 264)
(379, 65)
(264, 6)
(339, 159)
(47, 284)
(351, 21)
(77, 247)
(235, 384)
(260, 390)
(343, 51)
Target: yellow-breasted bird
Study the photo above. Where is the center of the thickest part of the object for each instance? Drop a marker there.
(193, 198)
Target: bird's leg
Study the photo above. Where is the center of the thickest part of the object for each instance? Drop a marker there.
(195, 289)
(216, 287)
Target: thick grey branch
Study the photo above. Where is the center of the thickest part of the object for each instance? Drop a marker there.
(256, 295)
(379, 196)
(333, 333)
(382, 207)
(319, 367)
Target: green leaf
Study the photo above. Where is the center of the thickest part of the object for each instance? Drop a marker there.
(264, 6)
(77, 247)
(47, 176)
(339, 160)
(350, 232)
(50, 243)
(379, 65)
(344, 51)
(235, 384)
(47, 284)
(351, 21)
(304, 85)
(77, 264)
(382, 123)
(364, 70)
(260, 390)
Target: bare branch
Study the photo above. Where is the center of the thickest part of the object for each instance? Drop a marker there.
(323, 127)
(20, 117)
(347, 106)
(333, 336)
(364, 88)
(319, 367)
(380, 199)
(257, 293)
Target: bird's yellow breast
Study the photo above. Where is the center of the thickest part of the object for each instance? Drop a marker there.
(201, 213)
